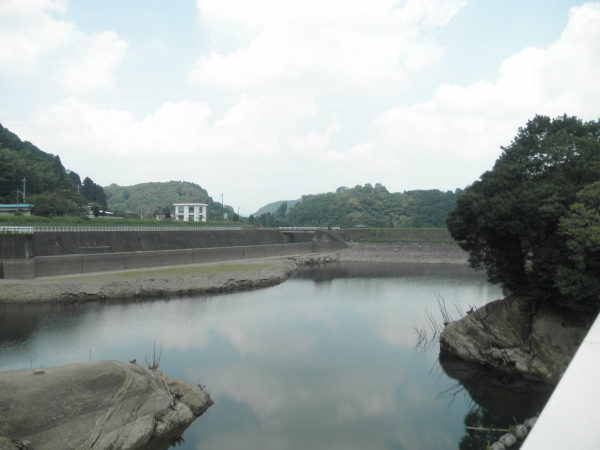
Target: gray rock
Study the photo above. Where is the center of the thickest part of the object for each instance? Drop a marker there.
(497, 446)
(100, 405)
(508, 440)
(517, 336)
(529, 423)
(7, 444)
(521, 431)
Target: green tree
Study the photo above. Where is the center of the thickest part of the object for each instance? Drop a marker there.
(59, 203)
(282, 210)
(578, 276)
(508, 220)
(93, 193)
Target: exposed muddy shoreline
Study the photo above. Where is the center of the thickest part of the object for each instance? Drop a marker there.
(405, 252)
(210, 278)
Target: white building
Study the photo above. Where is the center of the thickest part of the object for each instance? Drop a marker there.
(190, 212)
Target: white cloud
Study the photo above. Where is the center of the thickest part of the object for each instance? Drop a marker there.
(572, 66)
(323, 47)
(174, 130)
(471, 123)
(29, 30)
(256, 126)
(299, 97)
(181, 140)
(94, 67)
(34, 38)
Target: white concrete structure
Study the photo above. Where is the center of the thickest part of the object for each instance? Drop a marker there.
(569, 419)
(190, 212)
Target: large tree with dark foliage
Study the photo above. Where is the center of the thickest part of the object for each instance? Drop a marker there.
(523, 221)
(93, 193)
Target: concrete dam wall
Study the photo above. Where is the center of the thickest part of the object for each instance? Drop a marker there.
(70, 252)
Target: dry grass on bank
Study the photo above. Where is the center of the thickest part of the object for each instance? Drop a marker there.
(131, 275)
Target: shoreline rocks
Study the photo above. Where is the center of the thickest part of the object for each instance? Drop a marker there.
(100, 405)
(517, 336)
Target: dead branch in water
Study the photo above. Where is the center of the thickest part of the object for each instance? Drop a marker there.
(428, 334)
(155, 359)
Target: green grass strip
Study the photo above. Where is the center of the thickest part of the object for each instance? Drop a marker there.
(130, 275)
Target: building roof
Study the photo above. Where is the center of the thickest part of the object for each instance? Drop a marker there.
(190, 204)
(20, 205)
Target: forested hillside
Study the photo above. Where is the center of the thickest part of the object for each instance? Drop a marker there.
(148, 199)
(371, 206)
(44, 172)
(275, 206)
(49, 186)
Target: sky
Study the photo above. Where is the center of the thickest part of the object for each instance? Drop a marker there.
(266, 100)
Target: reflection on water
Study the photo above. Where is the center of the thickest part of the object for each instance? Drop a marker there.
(499, 401)
(388, 270)
(321, 361)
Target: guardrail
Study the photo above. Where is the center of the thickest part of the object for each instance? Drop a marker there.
(307, 228)
(16, 230)
(31, 230)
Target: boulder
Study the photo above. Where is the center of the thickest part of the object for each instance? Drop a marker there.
(99, 405)
(521, 431)
(518, 336)
(508, 440)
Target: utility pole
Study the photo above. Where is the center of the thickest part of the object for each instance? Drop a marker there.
(24, 180)
(22, 198)
(222, 207)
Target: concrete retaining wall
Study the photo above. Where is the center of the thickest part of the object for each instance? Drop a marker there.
(44, 266)
(87, 242)
(16, 246)
(47, 266)
(17, 268)
(60, 253)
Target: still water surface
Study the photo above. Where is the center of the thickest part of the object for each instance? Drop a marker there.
(323, 361)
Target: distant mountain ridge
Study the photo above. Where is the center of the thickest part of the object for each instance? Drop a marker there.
(369, 206)
(274, 206)
(374, 206)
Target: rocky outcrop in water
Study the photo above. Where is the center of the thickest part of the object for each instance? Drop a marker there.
(517, 336)
(97, 405)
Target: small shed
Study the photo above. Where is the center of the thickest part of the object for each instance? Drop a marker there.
(24, 209)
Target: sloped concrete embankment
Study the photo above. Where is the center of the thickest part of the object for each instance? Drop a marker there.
(99, 405)
(58, 253)
(405, 252)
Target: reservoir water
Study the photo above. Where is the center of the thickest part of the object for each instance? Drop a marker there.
(325, 360)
